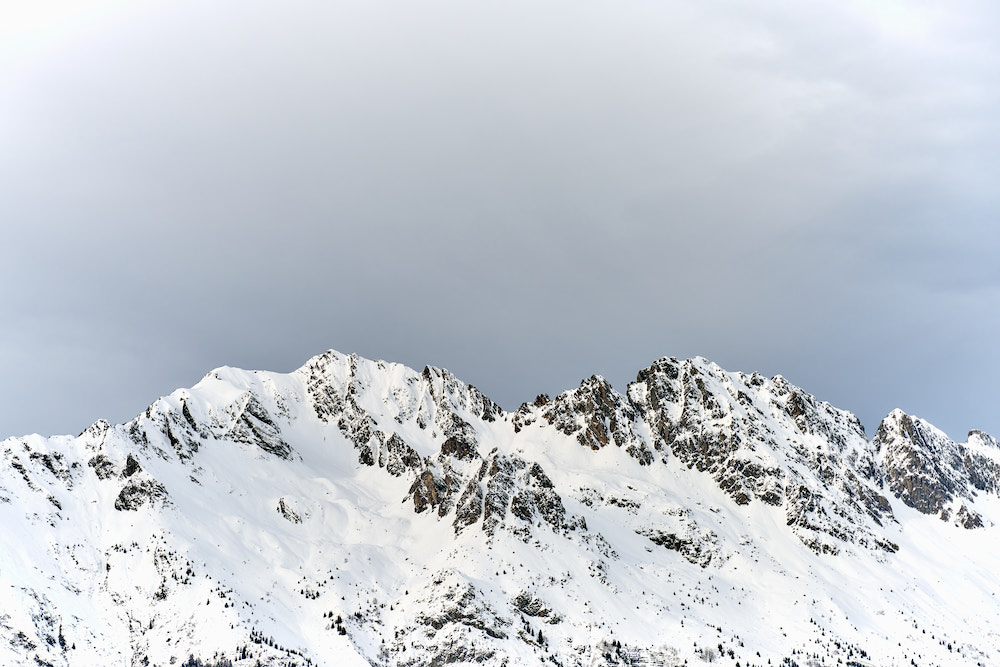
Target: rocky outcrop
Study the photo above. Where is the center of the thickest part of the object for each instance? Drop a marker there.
(766, 440)
(253, 425)
(461, 603)
(138, 492)
(434, 400)
(597, 416)
(507, 488)
(286, 511)
(435, 489)
(707, 419)
(446, 531)
(929, 472)
(397, 457)
(531, 605)
(685, 537)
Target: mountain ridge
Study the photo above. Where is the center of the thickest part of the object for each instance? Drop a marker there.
(587, 499)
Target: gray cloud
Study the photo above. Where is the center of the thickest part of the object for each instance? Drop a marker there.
(523, 193)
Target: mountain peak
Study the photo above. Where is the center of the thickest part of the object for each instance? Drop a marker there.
(359, 509)
(931, 473)
(977, 437)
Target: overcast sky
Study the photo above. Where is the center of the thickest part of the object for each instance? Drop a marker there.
(525, 193)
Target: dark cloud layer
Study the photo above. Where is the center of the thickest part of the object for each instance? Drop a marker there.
(525, 193)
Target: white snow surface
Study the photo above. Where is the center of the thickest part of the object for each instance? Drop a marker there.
(359, 512)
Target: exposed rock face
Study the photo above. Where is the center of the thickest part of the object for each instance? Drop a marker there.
(738, 428)
(456, 624)
(931, 473)
(253, 425)
(464, 606)
(138, 492)
(434, 400)
(435, 491)
(285, 510)
(922, 467)
(759, 439)
(507, 488)
(598, 416)
(397, 457)
(686, 538)
(532, 605)
(139, 488)
(981, 459)
(439, 529)
(102, 466)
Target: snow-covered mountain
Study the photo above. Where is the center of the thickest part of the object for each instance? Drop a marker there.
(358, 512)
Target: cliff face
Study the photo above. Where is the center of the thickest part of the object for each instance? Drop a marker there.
(926, 470)
(358, 510)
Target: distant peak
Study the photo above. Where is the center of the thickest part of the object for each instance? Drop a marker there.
(975, 435)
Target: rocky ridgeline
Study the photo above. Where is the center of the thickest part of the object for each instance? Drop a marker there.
(926, 470)
(464, 479)
(762, 441)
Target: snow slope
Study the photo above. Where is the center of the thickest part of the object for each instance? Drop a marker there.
(358, 512)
